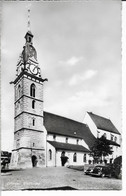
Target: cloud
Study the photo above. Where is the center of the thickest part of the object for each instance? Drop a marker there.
(90, 99)
(72, 61)
(78, 78)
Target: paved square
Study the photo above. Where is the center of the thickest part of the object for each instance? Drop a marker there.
(54, 177)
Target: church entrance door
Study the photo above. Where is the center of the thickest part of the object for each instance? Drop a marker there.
(34, 161)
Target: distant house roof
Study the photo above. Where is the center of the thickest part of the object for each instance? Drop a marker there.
(63, 126)
(103, 123)
(70, 147)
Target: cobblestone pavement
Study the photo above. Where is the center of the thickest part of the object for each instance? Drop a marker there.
(52, 177)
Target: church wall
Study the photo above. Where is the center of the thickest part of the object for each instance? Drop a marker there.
(28, 138)
(26, 120)
(52, 161)
(38, 88)
(28, 106)
(59, 138)
(69, 154)
(23, 158)
(99, 132)
(91, 124)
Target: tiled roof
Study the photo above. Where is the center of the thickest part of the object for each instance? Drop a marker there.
(113, 143)
(103, 123)
(67, 146)
(63, 126)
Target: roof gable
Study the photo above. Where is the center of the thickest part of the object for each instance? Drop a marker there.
(63, 126)
(103, 123)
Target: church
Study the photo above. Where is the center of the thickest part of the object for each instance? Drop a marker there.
(43, 139)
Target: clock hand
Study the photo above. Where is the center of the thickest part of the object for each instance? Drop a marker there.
(34, 68)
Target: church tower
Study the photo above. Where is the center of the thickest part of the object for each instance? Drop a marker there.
(29, 133)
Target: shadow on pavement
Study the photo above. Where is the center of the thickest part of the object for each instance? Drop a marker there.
(53, 188)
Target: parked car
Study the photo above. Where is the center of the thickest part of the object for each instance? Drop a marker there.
(89, 170)
(102, 171)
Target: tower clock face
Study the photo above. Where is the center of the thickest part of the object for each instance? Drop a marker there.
(34, 69)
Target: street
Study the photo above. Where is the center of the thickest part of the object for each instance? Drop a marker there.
(56, 178)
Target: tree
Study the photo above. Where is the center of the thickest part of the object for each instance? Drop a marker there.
(101, 148)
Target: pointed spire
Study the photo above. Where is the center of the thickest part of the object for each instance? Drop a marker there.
(29, 20)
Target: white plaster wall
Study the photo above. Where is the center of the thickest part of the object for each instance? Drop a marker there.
(70, 154)
(63, 139)
(108, 135)
(91, 124)
(53, 161)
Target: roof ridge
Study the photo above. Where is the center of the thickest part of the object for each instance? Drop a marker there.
(66, 118)
(99, 116)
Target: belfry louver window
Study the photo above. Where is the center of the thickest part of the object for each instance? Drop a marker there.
(32, 90)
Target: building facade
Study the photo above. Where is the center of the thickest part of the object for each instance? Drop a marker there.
(101, 126)
(44, 139)
(35, 144)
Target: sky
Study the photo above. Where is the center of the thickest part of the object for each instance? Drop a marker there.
(78, 46)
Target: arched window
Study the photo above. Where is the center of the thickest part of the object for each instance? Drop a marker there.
(32, 90)
(33, 104)
(75, 157)
(50, 154)
(19, 91)
(33, 122)
(84, 158)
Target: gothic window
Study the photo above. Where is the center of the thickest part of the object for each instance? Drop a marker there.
(84, 158)
(19, 91)
(33, 144)
(33, 104)
(33, 122)
(77, 141)
(75, 157)
(32, 90)
(50, 154)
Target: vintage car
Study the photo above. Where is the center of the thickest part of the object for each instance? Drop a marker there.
(89, 170)
(102, 171)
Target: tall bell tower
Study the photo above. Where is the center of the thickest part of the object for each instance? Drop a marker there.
(29, 133)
